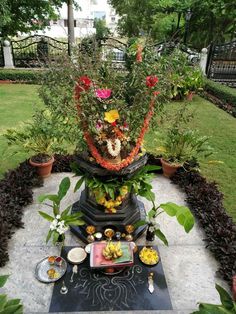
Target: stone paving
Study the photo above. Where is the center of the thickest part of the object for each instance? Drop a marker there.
(189, 267)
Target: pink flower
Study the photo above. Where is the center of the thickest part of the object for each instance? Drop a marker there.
(99, 125)
(156, 93)
(103, 93)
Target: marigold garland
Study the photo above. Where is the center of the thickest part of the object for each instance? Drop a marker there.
(129, 159)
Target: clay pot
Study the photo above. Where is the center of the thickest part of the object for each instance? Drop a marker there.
(44, 169)
(169, 169)
(189, 96)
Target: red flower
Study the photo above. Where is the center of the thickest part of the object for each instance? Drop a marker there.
(156, 93)
(151, 81)
(113, 123)
(85, 82)
(82, 84)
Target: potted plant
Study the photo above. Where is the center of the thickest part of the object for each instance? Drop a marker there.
(38, 139)
(194, 82)
(60, 220)
(181, 146)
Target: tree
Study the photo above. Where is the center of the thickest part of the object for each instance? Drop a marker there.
(211, 20)
(26, 15)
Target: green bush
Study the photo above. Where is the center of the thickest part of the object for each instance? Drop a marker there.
(18, 75)
(226, 94)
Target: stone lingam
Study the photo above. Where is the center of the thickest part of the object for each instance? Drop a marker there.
(130, 211)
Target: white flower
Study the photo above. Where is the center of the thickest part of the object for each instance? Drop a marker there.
(151, 228)
(53, 224)
(58, 216)
(114, 147)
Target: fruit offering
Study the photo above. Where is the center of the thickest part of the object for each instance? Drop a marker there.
(112, 251)
(149, 256)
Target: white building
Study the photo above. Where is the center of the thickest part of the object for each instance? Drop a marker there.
(83, 19)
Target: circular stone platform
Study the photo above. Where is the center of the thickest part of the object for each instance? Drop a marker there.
(189, 268)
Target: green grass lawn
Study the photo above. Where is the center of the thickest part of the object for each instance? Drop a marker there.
(17, 104)
(221, 128)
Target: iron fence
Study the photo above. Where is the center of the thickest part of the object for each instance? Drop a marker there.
(37, 51)
(221, 63)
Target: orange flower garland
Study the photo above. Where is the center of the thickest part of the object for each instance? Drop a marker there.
(129, 159)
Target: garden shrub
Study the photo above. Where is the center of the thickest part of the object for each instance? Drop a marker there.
(223, 96)
(21, 76)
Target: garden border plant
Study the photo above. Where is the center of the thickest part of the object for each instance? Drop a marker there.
(203, 198)
(222, 96)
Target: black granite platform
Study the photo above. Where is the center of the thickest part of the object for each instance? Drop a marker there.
(94, 291)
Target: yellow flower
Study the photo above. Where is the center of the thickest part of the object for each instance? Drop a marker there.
(111, 116)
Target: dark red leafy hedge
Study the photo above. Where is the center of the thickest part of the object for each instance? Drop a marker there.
(206, 202)
(15, 193)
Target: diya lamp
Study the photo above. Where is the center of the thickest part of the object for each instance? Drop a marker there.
(90, 231)
(109, 233)
(129, 229)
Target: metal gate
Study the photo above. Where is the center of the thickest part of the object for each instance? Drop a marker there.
(37, 51)
(221, 63)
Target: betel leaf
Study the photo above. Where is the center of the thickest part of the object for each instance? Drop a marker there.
(79, 183)
(225, 298)
(51, 197)
(161, 236)
(182, 213)
(3, 280)
(46, 216)
(63, 188)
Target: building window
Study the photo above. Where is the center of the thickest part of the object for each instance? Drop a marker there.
(75, 24)
(113, 19)
(54, 22)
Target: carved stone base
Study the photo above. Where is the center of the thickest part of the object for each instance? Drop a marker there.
(93, 214)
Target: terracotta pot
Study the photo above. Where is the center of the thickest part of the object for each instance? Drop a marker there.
(44, 169)
(169, 169)
(189, 96)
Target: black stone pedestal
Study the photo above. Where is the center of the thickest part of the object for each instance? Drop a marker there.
(128, 213)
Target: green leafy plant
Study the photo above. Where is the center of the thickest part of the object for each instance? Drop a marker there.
(61, 220)
(39, 138)
(9, 306)
(180, 144)
(110, 193)
(227, 306)
(182, 214)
